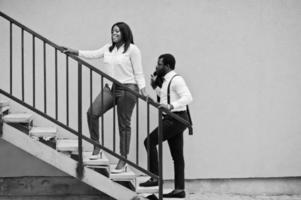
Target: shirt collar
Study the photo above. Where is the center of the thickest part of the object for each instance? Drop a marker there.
(121, 48)
(169, 75)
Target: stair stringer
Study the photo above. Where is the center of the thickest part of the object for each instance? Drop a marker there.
(65, 164)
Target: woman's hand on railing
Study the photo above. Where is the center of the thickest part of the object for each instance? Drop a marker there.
(144, 93)
(69, 51)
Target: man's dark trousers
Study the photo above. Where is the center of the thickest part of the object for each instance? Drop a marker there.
(173, 133)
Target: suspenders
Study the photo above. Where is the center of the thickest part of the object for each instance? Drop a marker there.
(187, 108)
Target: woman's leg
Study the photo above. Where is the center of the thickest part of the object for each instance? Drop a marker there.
(95, 111)
(125, 106)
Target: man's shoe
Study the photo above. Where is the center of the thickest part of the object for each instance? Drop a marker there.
(174, 194)
(152, 197)
(150, 183)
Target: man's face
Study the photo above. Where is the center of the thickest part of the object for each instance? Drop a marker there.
(160, 67)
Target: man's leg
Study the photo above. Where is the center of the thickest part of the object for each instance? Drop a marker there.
(176, 150)
(153, 142)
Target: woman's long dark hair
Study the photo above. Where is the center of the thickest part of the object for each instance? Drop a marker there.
(126, 35)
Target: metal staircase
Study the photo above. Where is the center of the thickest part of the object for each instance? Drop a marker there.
(69, 154)
(97, 173)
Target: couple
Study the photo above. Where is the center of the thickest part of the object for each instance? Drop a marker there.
(123, 62)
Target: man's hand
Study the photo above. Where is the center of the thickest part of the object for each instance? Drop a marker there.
(166, 106)
(153, 81)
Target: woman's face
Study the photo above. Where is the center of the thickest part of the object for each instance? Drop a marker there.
(116, 35)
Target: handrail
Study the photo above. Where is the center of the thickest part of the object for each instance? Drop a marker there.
(95, 69)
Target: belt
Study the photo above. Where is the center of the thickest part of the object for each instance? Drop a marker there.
(176, 112)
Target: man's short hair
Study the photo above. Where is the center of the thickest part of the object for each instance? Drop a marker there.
(168, 59)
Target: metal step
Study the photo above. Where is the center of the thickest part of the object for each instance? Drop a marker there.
(128, 175)
(18, 118)
(4, 109)
(3, 103)
(70, 145)
(103, 161)
(43, 132)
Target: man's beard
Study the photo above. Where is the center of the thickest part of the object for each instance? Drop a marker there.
(159, 73)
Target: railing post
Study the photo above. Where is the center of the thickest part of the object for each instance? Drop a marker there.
(45, 77)
(33, 72)
(102, 117)
(67, 90)
(22, 61)
(1, 122)
(114, 120)
(56, 85)
(160, 132)
(137, 132)
(148, 132)
(80, 167)
(11, 56)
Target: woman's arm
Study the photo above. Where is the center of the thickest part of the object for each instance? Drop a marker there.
(136, 60)
(88, 54)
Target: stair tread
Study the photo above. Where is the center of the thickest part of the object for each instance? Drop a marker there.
(43, 131)
(124, 176)
(147, 190)
(18, 118)
(3, 103)
(104, 161)
(4, 109)
(67, 145)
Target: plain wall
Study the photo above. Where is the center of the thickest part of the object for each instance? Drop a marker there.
(15, 162)
(241, 60)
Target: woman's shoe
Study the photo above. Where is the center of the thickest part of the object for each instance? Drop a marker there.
(96, 156)
(121, 170)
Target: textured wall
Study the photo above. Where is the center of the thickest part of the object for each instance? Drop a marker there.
(241, 60)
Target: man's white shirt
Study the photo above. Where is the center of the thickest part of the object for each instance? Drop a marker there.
(180, 95)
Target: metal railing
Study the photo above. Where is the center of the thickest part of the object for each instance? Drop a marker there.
(92, 70)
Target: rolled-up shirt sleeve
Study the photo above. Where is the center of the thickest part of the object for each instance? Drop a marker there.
(182, 91)
(93, 54)
(136, 60)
